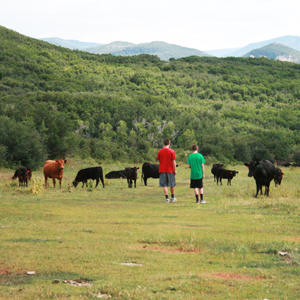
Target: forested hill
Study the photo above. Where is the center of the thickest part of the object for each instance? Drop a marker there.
(56, 102)
(276, 51)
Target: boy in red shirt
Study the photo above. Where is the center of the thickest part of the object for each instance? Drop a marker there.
(167, 170)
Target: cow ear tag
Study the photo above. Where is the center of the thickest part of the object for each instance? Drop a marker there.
(246, 167)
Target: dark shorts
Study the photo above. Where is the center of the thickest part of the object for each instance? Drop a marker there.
(167, 179)
(196, 183)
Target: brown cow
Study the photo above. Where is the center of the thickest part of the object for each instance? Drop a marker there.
(54, 169)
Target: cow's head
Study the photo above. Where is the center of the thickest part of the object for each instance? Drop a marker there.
(132, 172)
(217, 165)
(233, 173)
(61, 163)
(75, 183)
(278, 176)
(252, 167)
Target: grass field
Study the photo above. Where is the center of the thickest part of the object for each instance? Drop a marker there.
(122, 243)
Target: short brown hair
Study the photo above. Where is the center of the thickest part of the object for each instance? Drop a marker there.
(166, 142)
(195, 147)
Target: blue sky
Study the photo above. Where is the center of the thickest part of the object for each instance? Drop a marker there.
(204, 25)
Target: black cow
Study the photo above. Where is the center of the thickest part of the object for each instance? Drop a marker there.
(116, 174)
(89, 173)
(149, 171)
(131, 175)
(225, 174)
(29, 173)
(22, 174)
(278, 176)
(263, 172)
(214, 169)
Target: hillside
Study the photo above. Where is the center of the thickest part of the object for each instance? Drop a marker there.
(288, 40)
(163, 50)
(56, 102)
(276, 51)
(71, 44)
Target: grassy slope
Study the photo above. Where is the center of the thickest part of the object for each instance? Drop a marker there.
(226, 249)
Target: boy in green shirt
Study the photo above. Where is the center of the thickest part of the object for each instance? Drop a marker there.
(196, 163)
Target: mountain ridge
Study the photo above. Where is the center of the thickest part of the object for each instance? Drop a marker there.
(276, 51)
(163, 50)
(71, 44)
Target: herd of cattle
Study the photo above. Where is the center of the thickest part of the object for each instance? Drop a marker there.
(262, 171)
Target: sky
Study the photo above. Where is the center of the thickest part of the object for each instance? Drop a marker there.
(199, 24)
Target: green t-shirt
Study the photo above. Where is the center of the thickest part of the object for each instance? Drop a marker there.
(196, 160)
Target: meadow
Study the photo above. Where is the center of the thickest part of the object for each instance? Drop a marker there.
(121, 243)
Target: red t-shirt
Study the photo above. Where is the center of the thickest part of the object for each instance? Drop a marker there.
(165, 157)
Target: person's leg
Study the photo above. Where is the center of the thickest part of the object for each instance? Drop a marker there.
(172, 190)
(166, 190)
(196, 194)
(163, 182)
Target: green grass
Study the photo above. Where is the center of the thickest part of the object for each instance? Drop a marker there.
(225, 249)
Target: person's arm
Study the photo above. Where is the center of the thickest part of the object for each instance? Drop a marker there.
(203, 171)
(174, 166)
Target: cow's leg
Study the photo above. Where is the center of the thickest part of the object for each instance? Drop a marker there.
(267, 189)
(134, 183)
(257, 189)
(53, 182)
(145, 180)
(46, 182)
(97, 181)
(260, 187)
(101, 178)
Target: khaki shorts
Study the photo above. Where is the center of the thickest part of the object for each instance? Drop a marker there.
(167, 179)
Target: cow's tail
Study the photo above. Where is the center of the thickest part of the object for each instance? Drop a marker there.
(142, 177)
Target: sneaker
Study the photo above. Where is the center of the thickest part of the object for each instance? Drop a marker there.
(197, 201)
(173, 199)
(167, 200)
(203, 201)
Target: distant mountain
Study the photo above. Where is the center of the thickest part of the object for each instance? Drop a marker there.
(71, 44)
(276, 51)
(163, 50)
(110, 48)
(288, 40)
(222, 52)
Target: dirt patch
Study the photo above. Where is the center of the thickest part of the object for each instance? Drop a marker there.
(4, 271)
(294, 238)
(236, 276)
(188, 227)
(169, 250)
